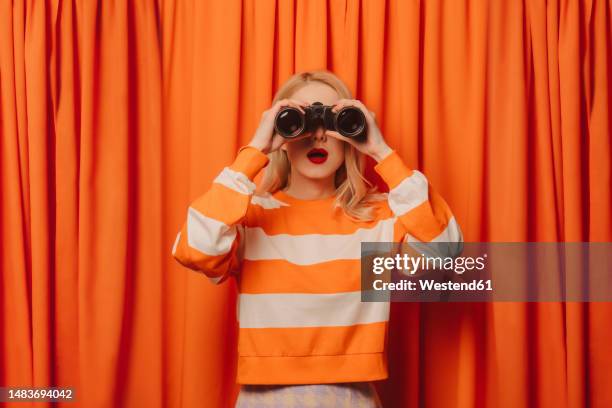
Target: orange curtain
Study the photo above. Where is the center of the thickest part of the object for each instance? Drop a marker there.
(114, 115)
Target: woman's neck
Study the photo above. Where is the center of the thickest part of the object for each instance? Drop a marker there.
(305, 188)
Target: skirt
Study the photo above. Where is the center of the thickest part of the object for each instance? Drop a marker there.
(337, 395)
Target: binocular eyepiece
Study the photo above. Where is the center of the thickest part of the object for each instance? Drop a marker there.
(349, 121)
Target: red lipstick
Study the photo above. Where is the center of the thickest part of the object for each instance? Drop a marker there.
(317, 155)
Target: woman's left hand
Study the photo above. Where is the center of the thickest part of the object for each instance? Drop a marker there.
(374, 145)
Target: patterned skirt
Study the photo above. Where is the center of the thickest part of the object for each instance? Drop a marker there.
(337, 395)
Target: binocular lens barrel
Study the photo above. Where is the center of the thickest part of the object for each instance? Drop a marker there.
(349, 122)
(289, 122)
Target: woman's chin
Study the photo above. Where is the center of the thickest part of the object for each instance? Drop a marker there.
(319, 172)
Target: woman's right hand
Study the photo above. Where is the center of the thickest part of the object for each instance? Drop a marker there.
(265, 138)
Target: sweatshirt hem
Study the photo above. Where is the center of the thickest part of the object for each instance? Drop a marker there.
(312, 369)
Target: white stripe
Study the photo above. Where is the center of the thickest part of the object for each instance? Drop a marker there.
(448, 244)
(239, 255)
(176, 241)
(235, 180)
(207, 235)
(267, 202)
(409, 194)
(308, 310)
(310, 249)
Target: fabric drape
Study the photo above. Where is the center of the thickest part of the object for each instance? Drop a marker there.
(114, 115)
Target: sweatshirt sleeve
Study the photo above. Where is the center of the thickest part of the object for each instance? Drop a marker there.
(422, 215)
(210, 237)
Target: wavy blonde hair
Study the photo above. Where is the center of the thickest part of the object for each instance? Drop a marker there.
(354, 193)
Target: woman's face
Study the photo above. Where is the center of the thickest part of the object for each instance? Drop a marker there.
(309, 165)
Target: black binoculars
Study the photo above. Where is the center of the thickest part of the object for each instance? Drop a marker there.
(349, 121)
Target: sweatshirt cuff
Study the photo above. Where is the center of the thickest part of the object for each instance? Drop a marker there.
(392, 169)
(250, 161)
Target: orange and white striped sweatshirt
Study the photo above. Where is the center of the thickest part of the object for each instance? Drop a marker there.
(298, 271)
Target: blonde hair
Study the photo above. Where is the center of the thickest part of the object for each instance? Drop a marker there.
(354, 193)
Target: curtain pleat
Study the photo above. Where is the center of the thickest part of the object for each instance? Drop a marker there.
(114, 115)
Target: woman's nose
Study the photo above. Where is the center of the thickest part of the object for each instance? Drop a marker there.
(319, 134)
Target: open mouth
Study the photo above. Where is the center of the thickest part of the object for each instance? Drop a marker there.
(317, 156)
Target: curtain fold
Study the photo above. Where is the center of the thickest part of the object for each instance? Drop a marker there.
(114, 115)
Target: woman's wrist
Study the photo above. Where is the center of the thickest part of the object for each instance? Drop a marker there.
(382, 153)
(258, 146)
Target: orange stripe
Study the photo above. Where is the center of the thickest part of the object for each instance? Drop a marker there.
(283, 221)
(312, 369)
(222, 204)
(303, 341)
(280, 276)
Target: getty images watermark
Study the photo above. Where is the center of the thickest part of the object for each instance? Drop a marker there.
(483, 272)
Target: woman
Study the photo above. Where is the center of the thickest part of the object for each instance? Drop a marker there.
(293, 244)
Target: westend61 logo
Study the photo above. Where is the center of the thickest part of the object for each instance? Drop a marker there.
(412, 264)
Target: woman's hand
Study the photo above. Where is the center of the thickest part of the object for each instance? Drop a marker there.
(374, 145)
(265, 138)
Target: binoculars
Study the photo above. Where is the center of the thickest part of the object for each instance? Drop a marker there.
(349, 121)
